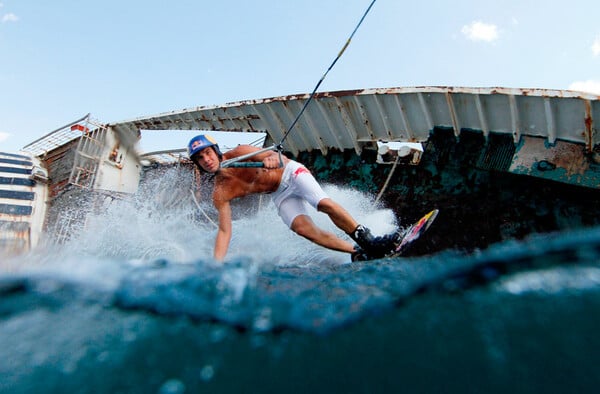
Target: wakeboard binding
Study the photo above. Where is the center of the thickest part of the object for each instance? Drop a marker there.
(394, 244)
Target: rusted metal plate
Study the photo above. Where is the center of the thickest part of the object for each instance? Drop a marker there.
(562, 162)
(351, 119)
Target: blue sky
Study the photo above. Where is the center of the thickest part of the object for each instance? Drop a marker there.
(118, 59)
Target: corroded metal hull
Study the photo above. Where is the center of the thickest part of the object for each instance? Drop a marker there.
(472, 138)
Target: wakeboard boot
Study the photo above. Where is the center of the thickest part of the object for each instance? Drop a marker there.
(359, 255)
(375, 246)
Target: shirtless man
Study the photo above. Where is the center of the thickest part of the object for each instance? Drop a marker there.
(290, 185)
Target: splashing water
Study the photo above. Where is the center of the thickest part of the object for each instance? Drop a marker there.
(162, 221)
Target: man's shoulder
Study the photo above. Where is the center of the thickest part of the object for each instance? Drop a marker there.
(240, 150)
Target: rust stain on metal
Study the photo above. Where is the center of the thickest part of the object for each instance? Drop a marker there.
(589, 122)
(571, 159)
(339, 93)
(58, 163)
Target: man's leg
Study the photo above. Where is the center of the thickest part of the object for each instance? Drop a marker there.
(375, 246)
(338, 215)
(307, 188)
(304, 226)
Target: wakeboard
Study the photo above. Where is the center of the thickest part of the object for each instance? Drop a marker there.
(414, 232)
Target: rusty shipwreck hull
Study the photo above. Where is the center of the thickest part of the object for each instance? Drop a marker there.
(479, 144)
(554, 132)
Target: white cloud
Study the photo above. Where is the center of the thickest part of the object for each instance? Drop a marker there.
(479, 31)
(10, 17)
(589, 86)
(596, 46)
(4, 136)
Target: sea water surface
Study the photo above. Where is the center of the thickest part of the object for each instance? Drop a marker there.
(134, 303)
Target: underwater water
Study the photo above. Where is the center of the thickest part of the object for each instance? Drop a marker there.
(134, 303)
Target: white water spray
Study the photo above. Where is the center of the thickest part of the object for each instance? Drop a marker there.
(162, 222)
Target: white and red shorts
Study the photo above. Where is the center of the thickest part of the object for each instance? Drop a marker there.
(297, 187)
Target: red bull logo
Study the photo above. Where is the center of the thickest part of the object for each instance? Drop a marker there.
(197, 144)
(300, 170)
(202, 141)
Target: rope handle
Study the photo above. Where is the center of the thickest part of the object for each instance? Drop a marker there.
(253, 164)
(246, 164)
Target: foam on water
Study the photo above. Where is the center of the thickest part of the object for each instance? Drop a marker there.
(162, 221)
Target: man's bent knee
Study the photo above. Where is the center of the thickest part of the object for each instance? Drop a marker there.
(299, 224)
(304, 226)
(326, 205)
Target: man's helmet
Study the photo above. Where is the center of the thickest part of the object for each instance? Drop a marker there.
(201, 142)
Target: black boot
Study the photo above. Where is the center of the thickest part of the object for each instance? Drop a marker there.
(375, 246)
(359, 255)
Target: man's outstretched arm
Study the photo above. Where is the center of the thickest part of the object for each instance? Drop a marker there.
(224, 231)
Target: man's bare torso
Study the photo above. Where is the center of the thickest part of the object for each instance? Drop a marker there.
(233, 183)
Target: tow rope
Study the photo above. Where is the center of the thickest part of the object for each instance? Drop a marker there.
(235, 162)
